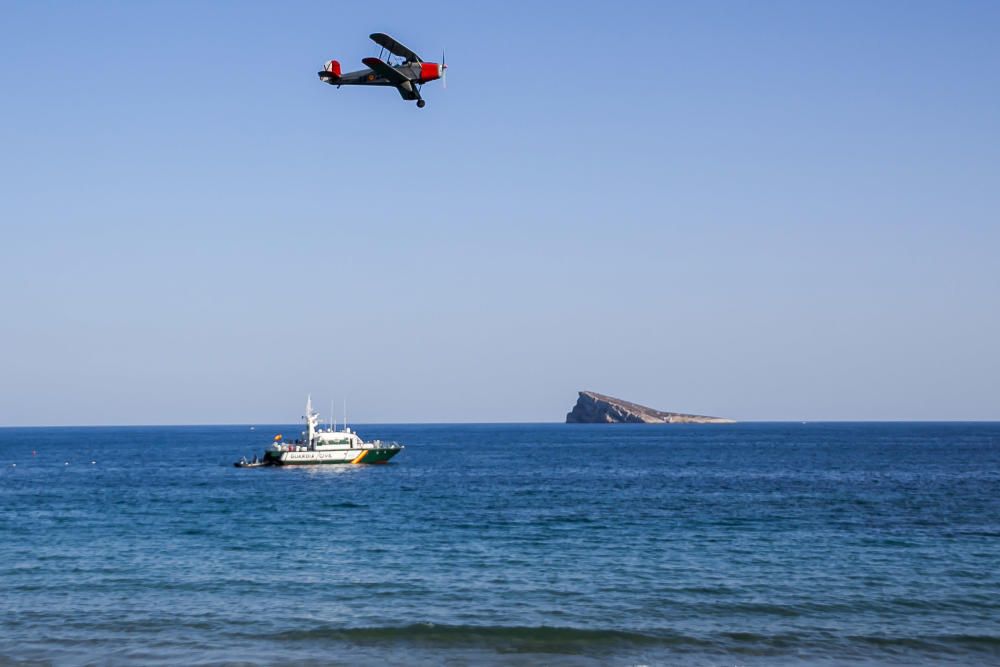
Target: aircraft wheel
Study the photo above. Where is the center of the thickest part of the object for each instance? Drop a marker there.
(421, 104)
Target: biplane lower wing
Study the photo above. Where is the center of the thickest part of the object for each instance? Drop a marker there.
(381, 68)
(408, 95)
(394, 47)
(403, 83)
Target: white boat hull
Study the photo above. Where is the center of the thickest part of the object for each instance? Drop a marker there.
(364, 455)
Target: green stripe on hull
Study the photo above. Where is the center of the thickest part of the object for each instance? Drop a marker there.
(379, 455)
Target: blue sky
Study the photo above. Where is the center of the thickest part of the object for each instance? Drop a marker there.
(759, 210)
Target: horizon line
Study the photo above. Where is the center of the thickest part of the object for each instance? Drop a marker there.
(524, 423)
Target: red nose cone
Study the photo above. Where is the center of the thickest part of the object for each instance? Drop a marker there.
(430, 71)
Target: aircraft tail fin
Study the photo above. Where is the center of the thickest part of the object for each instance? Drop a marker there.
(331, 70)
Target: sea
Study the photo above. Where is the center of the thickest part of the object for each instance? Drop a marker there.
(783, 544)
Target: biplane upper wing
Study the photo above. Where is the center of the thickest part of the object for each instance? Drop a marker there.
(394, 47)
(383, 69)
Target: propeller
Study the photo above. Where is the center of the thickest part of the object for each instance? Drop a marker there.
(444, 72)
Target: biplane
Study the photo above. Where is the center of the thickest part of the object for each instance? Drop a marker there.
(407, 76)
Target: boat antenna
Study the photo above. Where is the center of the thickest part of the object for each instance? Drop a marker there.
(332, 422)
(345, 413)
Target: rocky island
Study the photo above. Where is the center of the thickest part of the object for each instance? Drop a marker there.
(594, 408)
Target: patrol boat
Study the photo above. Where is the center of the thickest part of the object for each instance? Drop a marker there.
(318, 446)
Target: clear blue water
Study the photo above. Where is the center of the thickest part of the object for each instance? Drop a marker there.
(759, 544)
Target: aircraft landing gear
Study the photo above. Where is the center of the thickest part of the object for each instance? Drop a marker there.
(421, 104)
